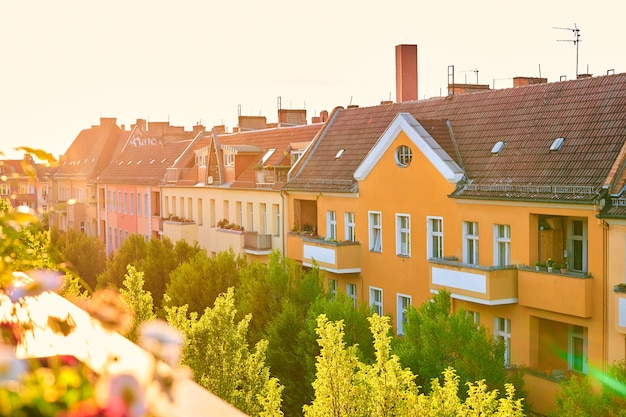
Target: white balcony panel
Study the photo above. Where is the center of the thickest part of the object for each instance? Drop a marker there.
(326, 255)
(462, 280)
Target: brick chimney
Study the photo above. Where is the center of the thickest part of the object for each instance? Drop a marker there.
(321, 118)
(524, 81)
(406, 73)
(291, 117)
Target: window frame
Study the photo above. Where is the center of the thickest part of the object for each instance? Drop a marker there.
(403, 234)
(502, 330)
(375, 231)
(434, 235)
(349, 230)
(376, 304)
(351, 292)
(572, 335)
(470, 243)
(401, 310)
(331, 224)
(501, 243)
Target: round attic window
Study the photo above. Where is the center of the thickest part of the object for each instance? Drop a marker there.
(403, 156)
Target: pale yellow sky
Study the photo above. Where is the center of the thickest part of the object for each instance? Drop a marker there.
(64, 64)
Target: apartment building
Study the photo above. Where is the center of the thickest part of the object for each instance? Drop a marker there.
(231, 198)
(129, 197)
(72, 186)
(18, 182)
(469, 192)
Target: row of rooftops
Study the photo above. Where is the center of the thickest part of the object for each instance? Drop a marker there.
(537, 141)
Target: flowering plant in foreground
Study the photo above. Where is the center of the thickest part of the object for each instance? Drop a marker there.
(61, 385)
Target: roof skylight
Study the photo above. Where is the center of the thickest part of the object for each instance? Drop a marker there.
(557, 144)
(497, 148)
(339, 153)
(267, 155)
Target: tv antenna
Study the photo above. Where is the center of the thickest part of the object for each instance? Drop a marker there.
(576, 40)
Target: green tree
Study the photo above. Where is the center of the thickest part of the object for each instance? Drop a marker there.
(217, 351)
(201, 279)
(436, 338)
(137, 300)
(155, 258)
(347, 387)
(80, 253)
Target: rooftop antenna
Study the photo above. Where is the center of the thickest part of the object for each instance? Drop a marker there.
(576, 40)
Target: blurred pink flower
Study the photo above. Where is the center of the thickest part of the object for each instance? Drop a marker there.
(162, 340)
(33, 283)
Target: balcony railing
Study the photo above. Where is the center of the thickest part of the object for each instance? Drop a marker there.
(256, 243)
(332, 256)
(489, 285)
(567, 293)
(180, 230)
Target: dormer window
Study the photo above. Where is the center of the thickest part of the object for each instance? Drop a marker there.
(497, 148)
(557, 144)
(229, 159)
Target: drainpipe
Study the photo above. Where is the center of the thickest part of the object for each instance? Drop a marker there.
(605, 290)
(282, 220)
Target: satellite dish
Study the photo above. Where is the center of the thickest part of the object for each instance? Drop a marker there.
(209, 179)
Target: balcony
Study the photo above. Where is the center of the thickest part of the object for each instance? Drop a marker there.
(180, 230)
(620, 308)
(566, 293)
(491, 285)
(257, 244)
(229, 239)
(332, 256)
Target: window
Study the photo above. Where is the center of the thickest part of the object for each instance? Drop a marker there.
(200, 214)
(403, 303)
(263, 209)
(132, 203)
(126, 203)
(212, 212)
(577, 352)
(475, 315)
(250, 216)
(332, 287)
(276, 217)
(577, 245)
(502, 244)
(375, 231)
(5, 189)
(349, 224)
(403, 156)
(267, 155)
(502, 330)
(26, 188)
(434, 245)
(470, 243)
(239, 213)
(331, 224)
(403, 235)
(82, 227)
(119, 202)
(190, 208)
(351, 292)
(229, 159)
(376, 300)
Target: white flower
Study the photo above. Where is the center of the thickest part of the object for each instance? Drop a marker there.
(11, 368)
(162, 340)
(33, 283)
(121, 393)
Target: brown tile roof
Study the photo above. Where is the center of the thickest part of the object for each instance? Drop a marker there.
(283, 139)
(91, 151)
(589, 113)
(146, 158)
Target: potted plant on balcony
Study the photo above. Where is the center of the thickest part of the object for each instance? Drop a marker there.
(550, 264)
(563, 267)
(538, 265)
(621, 287)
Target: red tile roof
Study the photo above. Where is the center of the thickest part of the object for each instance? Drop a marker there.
(283, 139)
(91, 151)
(589, 113)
